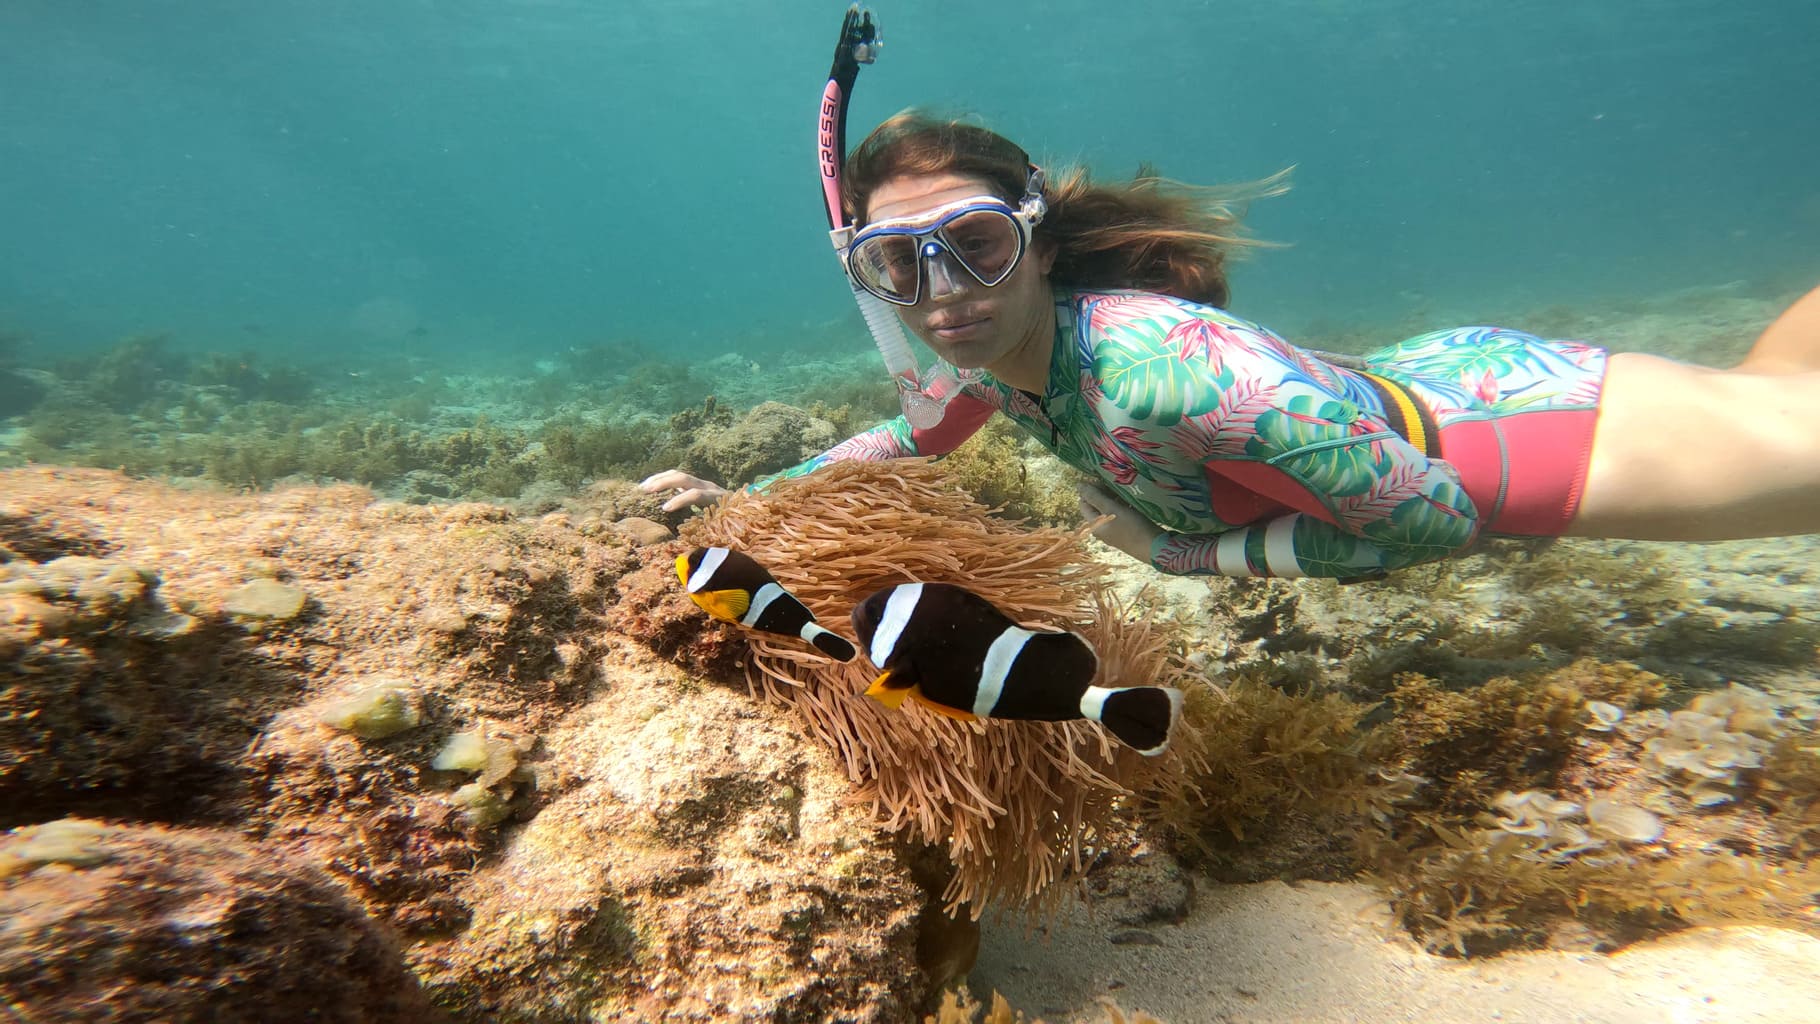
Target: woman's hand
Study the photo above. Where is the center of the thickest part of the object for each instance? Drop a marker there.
(692, 490)
(1129, 530)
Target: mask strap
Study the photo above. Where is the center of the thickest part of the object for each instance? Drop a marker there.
(1032, 205)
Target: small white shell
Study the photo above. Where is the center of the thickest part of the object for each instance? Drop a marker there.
(1517, 804)
(1705, 794)
(1556, 808)
(1604, 716)
(1623, 821)
(1524, 826)
(1570, 839)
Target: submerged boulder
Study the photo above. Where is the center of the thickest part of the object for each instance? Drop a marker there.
(771, 437)
(107, 923)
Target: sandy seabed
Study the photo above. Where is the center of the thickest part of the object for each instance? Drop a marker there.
(1320, 952)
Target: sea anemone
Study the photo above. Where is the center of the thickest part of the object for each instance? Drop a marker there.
(1015, 803)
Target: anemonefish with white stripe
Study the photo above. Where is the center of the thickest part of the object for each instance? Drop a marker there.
(955, 653)
(733, 587)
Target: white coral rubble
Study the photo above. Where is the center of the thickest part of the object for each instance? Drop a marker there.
(1562, 829)
(1709, 745)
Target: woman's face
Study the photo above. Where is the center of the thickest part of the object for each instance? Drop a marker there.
(965, 322)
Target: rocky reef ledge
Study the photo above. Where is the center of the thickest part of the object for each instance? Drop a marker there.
(390, 763)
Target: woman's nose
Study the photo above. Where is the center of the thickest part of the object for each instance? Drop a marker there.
(945, 278)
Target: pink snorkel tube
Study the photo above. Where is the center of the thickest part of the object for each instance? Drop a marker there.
(924, 396)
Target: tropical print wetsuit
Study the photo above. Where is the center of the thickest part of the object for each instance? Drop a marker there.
(1261, 459)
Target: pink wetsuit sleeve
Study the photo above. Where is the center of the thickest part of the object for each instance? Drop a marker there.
(964, 418)
(896, 439)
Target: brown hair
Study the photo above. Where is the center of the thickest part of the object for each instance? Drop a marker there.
(1149, 233)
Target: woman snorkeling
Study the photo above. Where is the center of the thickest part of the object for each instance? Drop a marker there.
(1093, 316)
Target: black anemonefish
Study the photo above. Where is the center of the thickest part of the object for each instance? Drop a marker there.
(731, 586)
(955, 653)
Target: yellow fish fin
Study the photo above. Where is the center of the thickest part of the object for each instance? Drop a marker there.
(916, 694)
(724, 604)
(886, 694)
(682, 568)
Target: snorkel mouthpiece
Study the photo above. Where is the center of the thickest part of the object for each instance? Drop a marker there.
(923, 395)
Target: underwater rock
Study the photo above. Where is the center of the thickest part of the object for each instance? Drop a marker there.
(495, 754)
(1146, 888)
(770, 437)
(70, 841)
(685, 853)
(491, 751)
(72, 595)
(644, 532)
(465, 751)
(374, 712)
(110, 923)
(1605, 716)
(605, 502)
(481, 806)
(112, 694)
(701, 864)
(265, 599)
(19, 393)
(1703, 613)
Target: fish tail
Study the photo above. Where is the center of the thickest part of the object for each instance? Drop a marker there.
(1141, 717)
(832, 644)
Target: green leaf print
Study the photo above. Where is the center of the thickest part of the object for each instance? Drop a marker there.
(1340, 471)
(1169, 515)
(1074, 444)
(1302, 421)
(1418, 532)
(1325, 551)
(1155, 386)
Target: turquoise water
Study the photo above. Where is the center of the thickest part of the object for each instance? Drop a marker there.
(508, 179)
(527, 251)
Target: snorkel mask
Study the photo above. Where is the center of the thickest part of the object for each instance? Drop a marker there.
(924, 393)
(983, 235)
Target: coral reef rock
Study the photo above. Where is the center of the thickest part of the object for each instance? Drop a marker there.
(1705, 614)
(115, 923)
(556, 823)
(770, 437)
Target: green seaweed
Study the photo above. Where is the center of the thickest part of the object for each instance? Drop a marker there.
(241, 376)
(1470, 893)
(1507, 734)
(579, 451)
(128, 375)
(995, 467)
(1264, 755)
(1467, 887)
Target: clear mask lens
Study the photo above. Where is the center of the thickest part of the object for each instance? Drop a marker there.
(890, 259)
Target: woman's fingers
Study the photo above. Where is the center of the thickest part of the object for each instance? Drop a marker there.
(692, 496)
(692, 490)
(1098, 497)
(1095, 502)
(670, 478)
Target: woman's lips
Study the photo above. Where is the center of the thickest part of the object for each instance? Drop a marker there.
(960, 329)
